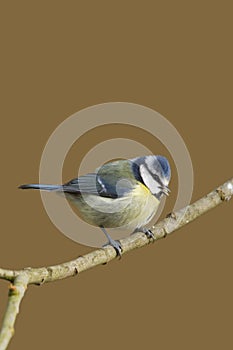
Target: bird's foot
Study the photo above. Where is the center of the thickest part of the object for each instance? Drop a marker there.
(115, 244)
(149, 234)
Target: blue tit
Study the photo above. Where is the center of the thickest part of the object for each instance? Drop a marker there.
(120, 194)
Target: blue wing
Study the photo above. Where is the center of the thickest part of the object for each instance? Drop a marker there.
(98, 185)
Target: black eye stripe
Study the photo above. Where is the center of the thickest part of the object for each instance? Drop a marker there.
(155, 176)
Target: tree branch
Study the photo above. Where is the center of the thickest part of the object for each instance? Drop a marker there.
(21, 278)
(16, 293)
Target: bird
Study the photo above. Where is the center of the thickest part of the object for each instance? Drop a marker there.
(123, 194)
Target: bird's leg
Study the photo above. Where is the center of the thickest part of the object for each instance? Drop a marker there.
(115, 244)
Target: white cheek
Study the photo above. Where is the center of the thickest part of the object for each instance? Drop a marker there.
(149, 181)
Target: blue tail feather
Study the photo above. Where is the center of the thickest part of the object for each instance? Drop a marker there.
(41, 187)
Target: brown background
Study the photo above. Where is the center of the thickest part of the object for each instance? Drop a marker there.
(175, 57)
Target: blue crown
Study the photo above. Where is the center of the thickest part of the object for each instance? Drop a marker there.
(165, 166)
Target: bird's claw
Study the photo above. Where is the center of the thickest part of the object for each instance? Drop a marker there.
(116, 245)
(149, 234)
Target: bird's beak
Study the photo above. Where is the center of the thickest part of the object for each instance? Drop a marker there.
(166, 190)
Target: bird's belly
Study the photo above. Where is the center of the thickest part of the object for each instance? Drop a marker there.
(129, 212)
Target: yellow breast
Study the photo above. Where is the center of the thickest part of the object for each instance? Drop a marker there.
(144, 206)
